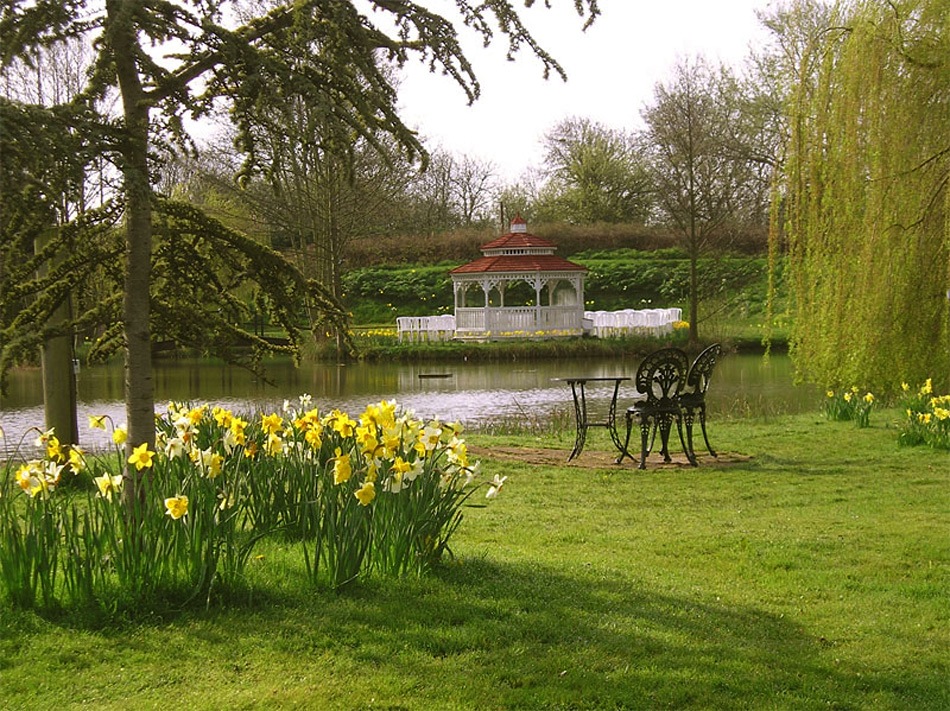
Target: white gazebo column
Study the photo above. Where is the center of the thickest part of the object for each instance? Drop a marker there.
(538, 285)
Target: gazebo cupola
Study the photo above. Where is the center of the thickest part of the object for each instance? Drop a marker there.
(518, 288)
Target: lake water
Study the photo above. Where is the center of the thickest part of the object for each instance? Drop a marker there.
(475, 394)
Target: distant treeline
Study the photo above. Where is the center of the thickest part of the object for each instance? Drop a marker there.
(461, 245)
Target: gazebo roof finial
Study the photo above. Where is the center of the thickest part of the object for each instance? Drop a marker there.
(519, 225)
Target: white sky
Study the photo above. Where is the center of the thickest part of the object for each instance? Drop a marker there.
(612, 69)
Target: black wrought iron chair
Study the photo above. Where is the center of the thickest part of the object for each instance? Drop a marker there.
(693, 397)
(660, 378)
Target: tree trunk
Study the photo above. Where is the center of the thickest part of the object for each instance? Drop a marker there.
(139, 395)
(59, 381)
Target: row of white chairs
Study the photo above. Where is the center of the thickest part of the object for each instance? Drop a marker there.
(650, 322)
(425, 328)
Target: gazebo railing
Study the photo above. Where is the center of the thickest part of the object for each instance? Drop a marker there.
(518, 320)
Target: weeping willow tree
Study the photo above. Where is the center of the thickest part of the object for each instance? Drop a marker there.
(868, 203)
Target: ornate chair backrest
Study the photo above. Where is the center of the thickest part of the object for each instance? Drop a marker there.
(697, 380)
(662, 375)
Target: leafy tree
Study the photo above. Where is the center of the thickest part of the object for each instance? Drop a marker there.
(868, 184)
(701, 185)
(595, 174)
(168, 59)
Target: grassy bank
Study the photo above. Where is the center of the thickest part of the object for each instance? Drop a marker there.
(807, 570)
(380, 343)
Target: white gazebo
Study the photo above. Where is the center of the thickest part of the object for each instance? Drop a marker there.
(518, 289)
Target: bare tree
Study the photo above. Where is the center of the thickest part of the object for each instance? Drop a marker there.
(701, 185)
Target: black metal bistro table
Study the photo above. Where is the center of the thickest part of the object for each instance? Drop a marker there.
(579, 392)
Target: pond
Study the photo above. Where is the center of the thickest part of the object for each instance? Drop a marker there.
(476, 394)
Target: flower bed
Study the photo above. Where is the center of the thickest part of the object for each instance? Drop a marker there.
(380, 494)
(927, 417)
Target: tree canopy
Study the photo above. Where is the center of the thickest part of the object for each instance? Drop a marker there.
(595, 174)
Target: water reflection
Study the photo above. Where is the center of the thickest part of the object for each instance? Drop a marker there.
(474, 394)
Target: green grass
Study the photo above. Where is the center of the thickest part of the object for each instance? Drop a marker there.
(813, 575)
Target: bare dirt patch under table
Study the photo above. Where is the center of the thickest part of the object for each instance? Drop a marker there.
(600, 458)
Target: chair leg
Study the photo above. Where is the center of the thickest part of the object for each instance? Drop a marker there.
(625, 452)
(656, 426)
(689, 451)
(644, 437)
(688, 417)
(702, 424)
(665, 424)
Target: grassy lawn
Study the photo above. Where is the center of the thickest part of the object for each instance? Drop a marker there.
(812, 572)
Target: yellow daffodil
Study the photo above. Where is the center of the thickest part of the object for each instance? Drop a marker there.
(275, 445)
(108, 484)
(927, 387)
(869, 398)
(366, 493)
(222, 416)
(54, 450)
(391, 442)
(176, 506)
(119, 435)
(211, 463)
(196, 414)
(344, 425)
(97, 422)
(372, 470)
(342, 467)
(236, 430)
(313, 438)
(28, 477)
(77, 462)
(272, 424)
(308, 421)
(141, 457)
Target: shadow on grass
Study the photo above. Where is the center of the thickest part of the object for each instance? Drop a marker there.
(525, 636)
(482, 634)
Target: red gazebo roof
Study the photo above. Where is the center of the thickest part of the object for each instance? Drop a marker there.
(501, 254)
(519, 263)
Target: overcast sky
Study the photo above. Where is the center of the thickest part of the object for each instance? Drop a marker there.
(612, 69)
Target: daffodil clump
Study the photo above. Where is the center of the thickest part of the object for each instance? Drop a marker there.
(927, 417)
(849, 405)
(380, 493)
